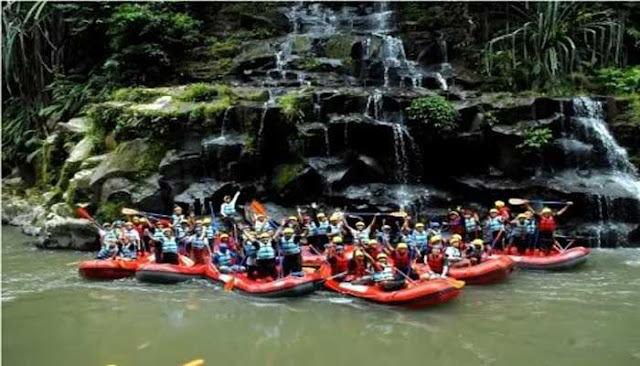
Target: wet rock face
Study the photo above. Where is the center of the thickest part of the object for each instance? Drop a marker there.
(67, 233)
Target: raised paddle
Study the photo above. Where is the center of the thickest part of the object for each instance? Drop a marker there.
(82, 212)
(522, 201)
(130, 212)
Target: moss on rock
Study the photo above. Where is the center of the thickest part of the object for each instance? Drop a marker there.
(286, 173)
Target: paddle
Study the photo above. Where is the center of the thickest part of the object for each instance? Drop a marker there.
(258, 208)
(522, 201)
(228, 286)
(400, 214)
(131, 212)
(82, 212)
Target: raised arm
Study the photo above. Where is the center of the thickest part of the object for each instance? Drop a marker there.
(344, 221)
(562, 210)
(234, 199)
(373, 221)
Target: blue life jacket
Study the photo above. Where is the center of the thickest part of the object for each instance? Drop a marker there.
(175, 219)
(289, 247)
(496, 224)
(266, 251)
(197, 242)
(385, 275)
(132, 234)
(180, 232)
(420, 239)
(260, 227)
(360, 236)
(322, 228)
(228, 209)
(531, 226)
(518, 230)
(169, 245)
(158, 235)
(384, 237)
(224, 259)
(129, 251)
(107, 252)
(210, 232)
(470, 224)
(249, 249)
(335, 229)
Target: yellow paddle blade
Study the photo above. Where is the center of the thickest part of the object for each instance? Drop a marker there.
(229, 285)
(398, 214)
(198, 362)
(457, 284)
(129, 211)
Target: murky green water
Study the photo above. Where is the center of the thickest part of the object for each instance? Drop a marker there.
(52, 317)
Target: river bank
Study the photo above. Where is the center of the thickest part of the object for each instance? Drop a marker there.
(583, 317)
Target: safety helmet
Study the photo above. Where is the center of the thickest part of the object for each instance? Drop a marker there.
(499, 204)
(358, 253)
(454, 213)
(546, 210)
(136, 219)
(402, 246)
(177, 209)
(288, 231)
(372, 242)
(321, 215)
(293, 218)
(198, 222)
(493, 210)
(265, 236)
(435, 239)
(224, 236)
(334, 217)
(454, 240)
(419, 225)
(359, 223)
(477, 243)
(262, 216)
(521, 216)
(143, 220)
(128, 223)
(337, 239)
(381, 256)
(106, 224)
(456, 236)
(386, 227)
(206, 221)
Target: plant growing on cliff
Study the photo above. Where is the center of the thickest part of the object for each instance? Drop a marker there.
(295, 105)
(620, 81)
(535, 139)
(551, 40)
(437, 112)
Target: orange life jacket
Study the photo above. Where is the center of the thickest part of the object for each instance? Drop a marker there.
(547, 224)
(436, 262)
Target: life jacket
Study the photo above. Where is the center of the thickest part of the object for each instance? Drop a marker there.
(322, 228)
(266, 251)
(249, 249)
(107, 252)
(132, 234)
(420, 239)
(158, 236)
(109, 236)
(401, 260)
(471, 225)
(169, 245)
(519, 230)
(289, 246)
(197, 242)
(436, 262)
(373, 252)
(360, 236)
(175, 219)
(261, 226)
(129, 251)
(228, 209)
(456, 226)
(504, 212)
(335, 229)
(224, 259)
(531, 226)
(180, 232)
(547, 224)
(384, 238)
(383, 273)
(496, 224)
(339, 264)
(210, 232)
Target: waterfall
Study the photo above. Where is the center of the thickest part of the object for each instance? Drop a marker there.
(225, 122)
(402, 161)
(374, 103)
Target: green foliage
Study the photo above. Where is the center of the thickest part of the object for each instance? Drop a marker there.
(310, 64)
(535, 140)
(136, 95)
(200, 92)
(146, 39)
(286, 173)
(109, 211)
(620, 81)
(226, 48)
(437, 112)
(149, 162)
(295, 105)
(551, 40)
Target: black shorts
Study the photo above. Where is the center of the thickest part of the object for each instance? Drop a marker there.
(546, 240)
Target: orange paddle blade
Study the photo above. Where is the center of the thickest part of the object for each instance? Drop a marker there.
(258, 208)
(229, 285)
(82, 212)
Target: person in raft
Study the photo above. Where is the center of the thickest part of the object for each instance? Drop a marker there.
(402, 260)
(337, 258)
(289, 248)
(158, 238)
(503, 210)
(169, 248)
(320, 230)
(177, 216)
(265, 258)
(228, 210)
(453, 256)
(532, 231)
(384, 276)
(471, 225)
(455, 223)
(109, 241)
(518, 235)
(547, 226)
(226, 260)
(475, 252)
(495, 223)
(361, 233)
(130, 240)
(358, 271)
(199, 242)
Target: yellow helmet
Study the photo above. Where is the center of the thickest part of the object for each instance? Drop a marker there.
(261, 216)
(454, 213)
(206, 221)
(381, 256)
(128, 223)
(288, 231)
(337, 239)
(454, 239)
(358, 253)
(359, 223)
(435, 239)
(401, 246)
(499, 204)
(293, 218)
(321, 215)
(373, 242)
(334, 217)
(477, 243)
(546, 210)
(521, 216)
(224, 235)
(493, 210)
(456, 236)
(136, 219)
(265, 236)
(198, 222)
(419, 224)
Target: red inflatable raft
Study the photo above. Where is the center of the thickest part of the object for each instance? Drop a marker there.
(555, 261)
(414, 295)
(109, 269)
(311, 258)
(290, 286)
(170, 273)
(492, 270)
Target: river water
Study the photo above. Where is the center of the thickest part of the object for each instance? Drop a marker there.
(52, 317)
